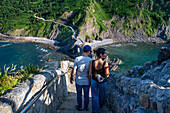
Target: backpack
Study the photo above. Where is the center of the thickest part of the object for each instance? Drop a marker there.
(98, 75)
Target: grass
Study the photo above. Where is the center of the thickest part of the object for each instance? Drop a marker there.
(99, 14)
(8, 81)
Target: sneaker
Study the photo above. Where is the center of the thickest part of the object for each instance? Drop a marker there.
(85, 109)
(79, 109)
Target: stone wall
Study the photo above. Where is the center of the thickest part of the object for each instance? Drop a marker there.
(143, 89)
(16, 99)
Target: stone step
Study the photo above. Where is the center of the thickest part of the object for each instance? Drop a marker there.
(69, 106)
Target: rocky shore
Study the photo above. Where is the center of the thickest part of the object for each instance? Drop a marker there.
(157, 71)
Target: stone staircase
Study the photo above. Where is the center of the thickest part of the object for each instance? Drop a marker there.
(69, 105)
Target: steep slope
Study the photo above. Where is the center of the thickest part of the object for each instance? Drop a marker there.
(135, 21)
(122, 20)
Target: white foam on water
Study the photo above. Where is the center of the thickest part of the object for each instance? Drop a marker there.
(48, 54)
(37, 47)
(133, 44)
(6, 45)
(4, 41)
(43, 50)
(117, 45)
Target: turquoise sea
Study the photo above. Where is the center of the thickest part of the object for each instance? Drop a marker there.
(133, 54)
(25, 54)
(32, 53)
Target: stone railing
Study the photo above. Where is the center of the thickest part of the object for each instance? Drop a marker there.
(18, 97)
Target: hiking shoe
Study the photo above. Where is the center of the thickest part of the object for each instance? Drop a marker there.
(79, 109)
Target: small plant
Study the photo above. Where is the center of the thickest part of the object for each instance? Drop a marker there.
(168, 41)
(9, 78)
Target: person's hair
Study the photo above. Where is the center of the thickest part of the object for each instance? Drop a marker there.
(100, 51)
(85, 51)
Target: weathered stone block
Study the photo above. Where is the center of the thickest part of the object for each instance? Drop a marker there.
(144, 100)
(153, 104)
(5, 107)
(160, 107)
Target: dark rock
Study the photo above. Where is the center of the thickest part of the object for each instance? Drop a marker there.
(143, 110)
(164, 53)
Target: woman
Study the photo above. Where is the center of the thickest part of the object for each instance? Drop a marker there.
(98, 72)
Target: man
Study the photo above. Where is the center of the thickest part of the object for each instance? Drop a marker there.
(81, 70)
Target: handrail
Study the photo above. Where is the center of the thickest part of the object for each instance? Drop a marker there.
(39, 95)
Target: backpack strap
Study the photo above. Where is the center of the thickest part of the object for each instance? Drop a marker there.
(104, 64)
(93, 64)
(93, 70)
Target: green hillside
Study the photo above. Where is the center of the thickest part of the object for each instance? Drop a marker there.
(17, 16)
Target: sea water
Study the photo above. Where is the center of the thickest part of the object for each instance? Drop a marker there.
(133, 54)
(23, 54)
(32, 53)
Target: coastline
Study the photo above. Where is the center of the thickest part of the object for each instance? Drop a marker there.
(97, 43)
(53, 44)
(49, 42)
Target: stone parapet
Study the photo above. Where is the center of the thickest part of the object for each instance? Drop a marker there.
(125, 94)
(18, 97)
(143, 89)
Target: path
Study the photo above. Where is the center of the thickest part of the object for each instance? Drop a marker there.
(69, 105)
(79, 41)
(97, 43)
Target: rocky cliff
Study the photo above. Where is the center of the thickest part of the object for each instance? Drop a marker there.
(133, 21)
(92, 30)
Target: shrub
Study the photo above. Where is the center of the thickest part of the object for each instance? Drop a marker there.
(168, 41)
(9, 78)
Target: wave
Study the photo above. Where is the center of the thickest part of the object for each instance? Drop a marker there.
(43, 50)
(4, 41)
(133, 44)
(6, 45)
(48, 54)
(117, 45)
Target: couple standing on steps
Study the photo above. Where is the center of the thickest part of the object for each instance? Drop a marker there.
(92, 73)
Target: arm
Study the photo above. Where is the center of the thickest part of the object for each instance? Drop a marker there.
(107, 69)
(90, 72)
(72, 74)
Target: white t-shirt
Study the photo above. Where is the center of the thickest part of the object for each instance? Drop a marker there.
(81, 64)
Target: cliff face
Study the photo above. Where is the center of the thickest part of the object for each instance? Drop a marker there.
(125, 29)
(91, 29)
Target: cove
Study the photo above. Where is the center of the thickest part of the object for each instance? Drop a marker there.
(27, 53)
(133, 54)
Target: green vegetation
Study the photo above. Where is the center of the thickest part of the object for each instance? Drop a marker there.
(78, 19)
(9, 78)
(17, 16)
(65, 34)
(167, 42)
(150, 14)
